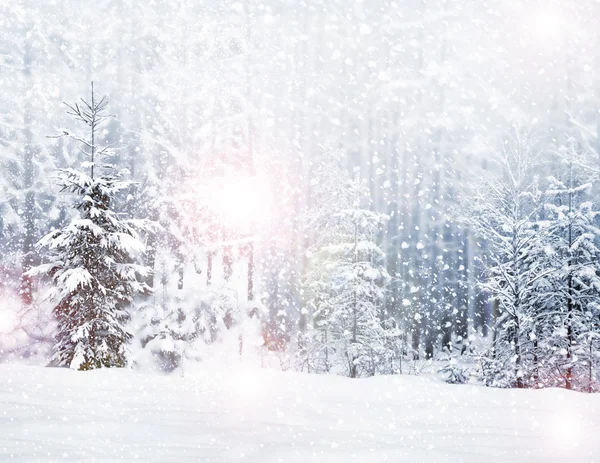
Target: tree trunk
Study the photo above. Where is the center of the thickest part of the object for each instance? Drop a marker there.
(570, 337)
(352, 358)
(28, 176)
(250, 271)
(518, 360)
(209, 268)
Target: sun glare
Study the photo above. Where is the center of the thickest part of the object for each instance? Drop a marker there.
(241, 201)
(8, 317)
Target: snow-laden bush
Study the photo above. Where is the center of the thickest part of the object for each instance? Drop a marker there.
(26, 330)
(169, 332)
(492, 373)
(455, 373)
(186, 327)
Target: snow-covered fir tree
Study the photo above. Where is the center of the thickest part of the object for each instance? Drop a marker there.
(570, 318)
(92, 261)
(346, 290)
(505, 214)
(330, 193)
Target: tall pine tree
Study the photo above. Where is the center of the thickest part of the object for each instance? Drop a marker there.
(505, 214)
(571, 318)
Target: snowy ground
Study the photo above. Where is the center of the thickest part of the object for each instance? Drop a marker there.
(253, 415)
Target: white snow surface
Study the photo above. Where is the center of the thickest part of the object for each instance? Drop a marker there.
(241, 414)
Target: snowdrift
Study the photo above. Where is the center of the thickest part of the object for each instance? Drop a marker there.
(240, 414)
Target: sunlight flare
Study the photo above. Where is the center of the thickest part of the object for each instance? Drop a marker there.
(242, 201)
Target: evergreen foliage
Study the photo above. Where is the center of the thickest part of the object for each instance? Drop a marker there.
(569, 320)
(91, 261)
(346, 290)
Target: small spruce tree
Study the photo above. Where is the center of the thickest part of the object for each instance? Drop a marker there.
(91, 261)
(347, 292)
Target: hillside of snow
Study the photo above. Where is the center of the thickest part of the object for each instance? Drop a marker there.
(253, 415)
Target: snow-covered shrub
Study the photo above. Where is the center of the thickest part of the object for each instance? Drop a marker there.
(26, 330)
(188, 326)
(455, 373)
(185, 325)
(312, 355)
(493, 373)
